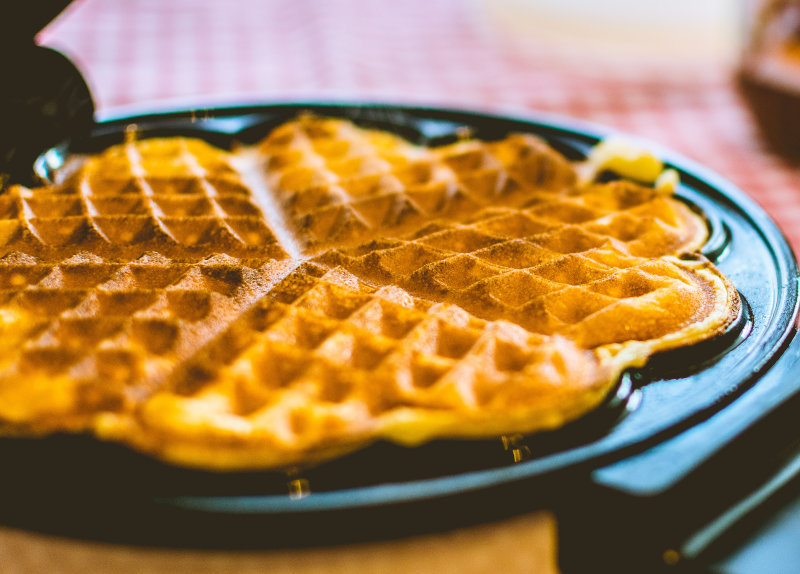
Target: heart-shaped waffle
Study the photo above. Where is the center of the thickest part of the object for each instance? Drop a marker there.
(333, 286)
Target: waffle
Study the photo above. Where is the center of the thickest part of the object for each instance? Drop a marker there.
(331, 286)
(558, 266)
(119, 271)
(340, 184)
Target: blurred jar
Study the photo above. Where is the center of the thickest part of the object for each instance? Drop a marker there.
(769, 73)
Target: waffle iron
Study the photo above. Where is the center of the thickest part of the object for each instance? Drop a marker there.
(678, 469)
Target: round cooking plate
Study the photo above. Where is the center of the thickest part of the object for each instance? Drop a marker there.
(386, 490)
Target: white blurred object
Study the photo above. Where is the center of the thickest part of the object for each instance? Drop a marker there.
(677, 31)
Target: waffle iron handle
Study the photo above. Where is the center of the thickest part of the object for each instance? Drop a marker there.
(687, 535)
(45, 99)
(694, 521)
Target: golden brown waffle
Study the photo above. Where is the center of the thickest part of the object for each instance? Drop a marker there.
(332, 286)
(179, 197)
(579, 264)
(342, 184)
(119, 272)
(89, 335)
(326, 363)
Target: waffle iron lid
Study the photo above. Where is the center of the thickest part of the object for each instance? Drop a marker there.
(672, 393)
(47, 99)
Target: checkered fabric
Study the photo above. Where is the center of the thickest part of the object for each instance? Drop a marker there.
(442, 52)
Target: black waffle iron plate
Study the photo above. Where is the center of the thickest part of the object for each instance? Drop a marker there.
(78, 486)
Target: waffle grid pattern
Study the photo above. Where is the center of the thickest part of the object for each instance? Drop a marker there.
(548, 266)
(342, 184)
(179, 197)
(325, 359)
(113, 331)
(507, 299)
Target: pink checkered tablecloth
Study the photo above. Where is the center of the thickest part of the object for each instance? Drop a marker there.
(443, 52)
(460, 53)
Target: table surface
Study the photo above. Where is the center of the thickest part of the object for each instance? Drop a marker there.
(480, 54)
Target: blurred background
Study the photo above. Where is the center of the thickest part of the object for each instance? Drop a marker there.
(715, 80)
(661, 70)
